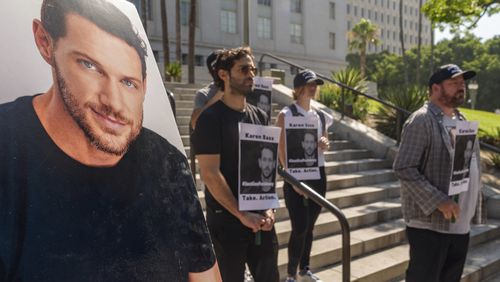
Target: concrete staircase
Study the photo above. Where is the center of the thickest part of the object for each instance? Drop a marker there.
(366, 190)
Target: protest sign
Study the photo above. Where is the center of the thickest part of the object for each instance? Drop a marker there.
(301, 147)
(258, 160)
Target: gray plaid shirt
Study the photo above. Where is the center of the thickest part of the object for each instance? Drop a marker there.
(423, 166)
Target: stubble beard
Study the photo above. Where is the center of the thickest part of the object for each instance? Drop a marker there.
(457, 99)
(239, 88)
(75, 110)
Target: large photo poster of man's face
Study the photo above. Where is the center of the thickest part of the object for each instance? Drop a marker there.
(261, 94)
(301, 147)
(257, 167)
(90, 155)
(26, 72)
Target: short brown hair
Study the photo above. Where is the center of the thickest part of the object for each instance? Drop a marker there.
(225, 61)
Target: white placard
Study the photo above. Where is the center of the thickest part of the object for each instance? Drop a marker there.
(465, 136)
(261, 95)
(301, 147)
(258, 151)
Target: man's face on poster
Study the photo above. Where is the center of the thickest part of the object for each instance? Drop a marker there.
(264, 103)
(266, 162)
(468, 152)
(100, 81)
(309, 145)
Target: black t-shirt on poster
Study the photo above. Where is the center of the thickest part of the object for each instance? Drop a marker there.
(217, 133)
(139, 220)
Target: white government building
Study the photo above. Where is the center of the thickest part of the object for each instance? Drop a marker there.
(312, 33)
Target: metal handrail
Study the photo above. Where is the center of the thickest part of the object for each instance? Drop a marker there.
(401, 113)
(344, 224)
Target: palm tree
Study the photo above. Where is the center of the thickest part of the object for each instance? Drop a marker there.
(192, 29)
(166, 48)
(402, 40)
(144, 15)
(362, 34)
(419, 43)
(178, 30)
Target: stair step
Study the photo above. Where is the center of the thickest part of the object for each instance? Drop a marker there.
(357, 216)
(327, 251)
(341, 198)
(347, 154)
(389, 264)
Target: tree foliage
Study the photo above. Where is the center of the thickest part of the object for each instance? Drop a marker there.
(362, 34)
(466, 50)
(465, 13)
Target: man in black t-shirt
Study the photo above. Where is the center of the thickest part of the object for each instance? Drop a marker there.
(87, 193)
(216, 141)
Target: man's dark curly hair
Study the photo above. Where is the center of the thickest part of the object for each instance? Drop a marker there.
(102, 13)
(225, 61)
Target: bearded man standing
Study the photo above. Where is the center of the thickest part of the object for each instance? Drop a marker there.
(216, 143)
(437, 226)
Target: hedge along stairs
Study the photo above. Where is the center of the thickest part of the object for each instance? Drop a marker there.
(361, 182)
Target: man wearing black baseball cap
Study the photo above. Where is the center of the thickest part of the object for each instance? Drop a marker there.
(437, 227)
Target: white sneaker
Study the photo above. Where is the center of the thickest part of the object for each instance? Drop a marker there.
(290, 279)
(306, 275)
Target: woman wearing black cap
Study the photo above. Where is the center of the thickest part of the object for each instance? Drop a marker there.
(303, 212)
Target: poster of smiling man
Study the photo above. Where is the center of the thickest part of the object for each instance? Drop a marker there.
(257, 167)
(301, 147)
(94, 182)
(465, 136)
(261, 95)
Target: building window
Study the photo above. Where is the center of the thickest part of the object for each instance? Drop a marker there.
(332, 40)
(348, 9)
(296, 6)
(362, 12)
(355, 11)
(198, 60)
(264, 28)
(382, 33)
(370, 14)
(264, 2)
(228, 21)
(185, 12)
(376, 16)
(296, 33)
(348, 25)
(332, 10)
(381, 18)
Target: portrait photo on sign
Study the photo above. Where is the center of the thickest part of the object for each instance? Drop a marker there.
(302, 147)
(261, 94)
(90, 155)
(464, 147)
(258, 167)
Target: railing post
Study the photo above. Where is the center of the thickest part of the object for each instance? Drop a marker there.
(344, 224)
(342, 99)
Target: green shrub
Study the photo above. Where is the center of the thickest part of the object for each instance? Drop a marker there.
(409, 99)
(331, 94)
(492, 138)
(495, 160)
(174, 70)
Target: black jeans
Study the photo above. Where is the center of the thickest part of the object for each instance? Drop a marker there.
(234, 246)
(303, 218)
(436, 256)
